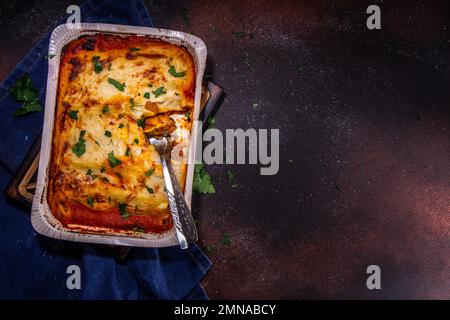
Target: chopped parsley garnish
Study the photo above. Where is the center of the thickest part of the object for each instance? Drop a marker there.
(238, 34)
(121, 115)
(211, 122)
(149, 172)
(119, 86)
(105, 179)
(24, 91)
(176, 74)
(118, 175)
(123, 210)
(138, 229)
(185, 17)
(89, 172)
(97, 64)
(105, 110)
(150, 190)
(73, 114)
(127, 153)
(109, 66)
(150, 85)
(79, 148)
(136, 140)
(147, 95)
(121, 126)
(113, 161)
(90, 201)
(230, 175)
(135, 49)
(131, 104)
(159, 91)
(202, 180)
(188, 116)
(102, 169)
(141, 123)
(212, 28)
(226, 240)
(108, 133)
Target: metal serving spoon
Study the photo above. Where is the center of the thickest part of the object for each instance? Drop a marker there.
(181, 215)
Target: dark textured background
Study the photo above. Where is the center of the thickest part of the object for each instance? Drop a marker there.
(364, 120)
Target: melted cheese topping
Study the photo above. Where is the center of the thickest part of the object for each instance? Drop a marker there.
(104, 173)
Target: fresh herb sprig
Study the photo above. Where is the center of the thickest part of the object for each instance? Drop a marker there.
(202, 180)
(25, 91)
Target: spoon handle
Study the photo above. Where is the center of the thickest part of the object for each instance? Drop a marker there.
(181, 214)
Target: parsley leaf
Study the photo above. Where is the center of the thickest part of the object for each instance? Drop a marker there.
(149, 172)
(108, 133)
(79, 148)
(105, 179)
(121, 126)
(89, 172)
(119, 86)
(24, 91)
(141, 123)
(238, 34)
(230, 175)
(136, 141)
(212, 28)
(188, 116)
(211, 122)
(105, 110)
(135, 49)
(28, 107)
(97, 64)
(176, 74)
(139, 229)
(123, 210)
(147, 95)
(150, 190)
(131, 104)
(202, 180)
(127, 153)
(159, 91)
(102, 169)
(113, 161)
(185, 17)
(90, 201)
(226, 239)
(73, 114)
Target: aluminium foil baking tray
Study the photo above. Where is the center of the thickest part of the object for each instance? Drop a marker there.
(41, 217)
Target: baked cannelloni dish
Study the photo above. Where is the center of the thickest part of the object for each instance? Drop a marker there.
(113, 92)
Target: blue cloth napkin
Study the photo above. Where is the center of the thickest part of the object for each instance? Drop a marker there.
(33, 266)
